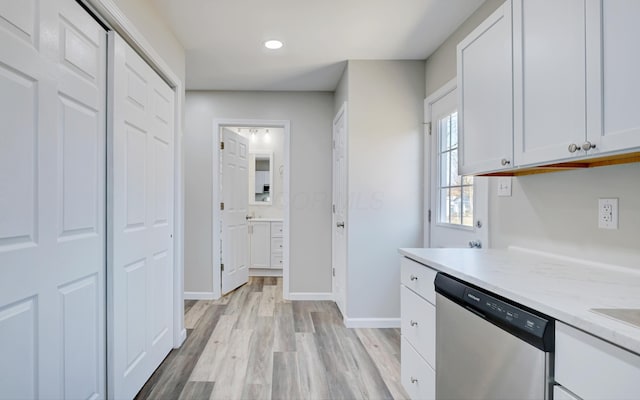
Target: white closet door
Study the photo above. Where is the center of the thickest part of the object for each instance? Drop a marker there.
(140, 295)
(52, 207)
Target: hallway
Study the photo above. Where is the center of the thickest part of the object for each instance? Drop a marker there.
(252, 344)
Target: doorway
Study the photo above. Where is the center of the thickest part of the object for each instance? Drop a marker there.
(250, 202)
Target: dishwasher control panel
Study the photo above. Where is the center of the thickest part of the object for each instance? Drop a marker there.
(508, 313)
(527, 324)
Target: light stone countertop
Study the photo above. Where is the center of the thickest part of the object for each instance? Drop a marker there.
(565, 289)
(265, 219)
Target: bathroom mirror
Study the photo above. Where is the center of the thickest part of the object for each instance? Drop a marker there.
(261, 178)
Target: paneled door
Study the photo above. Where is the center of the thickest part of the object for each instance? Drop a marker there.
(235, 195)
(52, 201)
(339, 236)
(140, 278)
(459, 205)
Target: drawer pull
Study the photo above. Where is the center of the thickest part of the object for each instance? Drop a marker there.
(413, 380)
(413, 323)
(413, 278)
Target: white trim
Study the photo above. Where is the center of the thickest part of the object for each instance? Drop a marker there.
(115, 18)
(437, 95)
(372, 322)
(302, 296)
(265, 272)
(215, 195)
(198, 295)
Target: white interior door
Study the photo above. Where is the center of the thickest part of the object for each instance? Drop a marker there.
(52, 201)
(235, 195)
(459, 204)
(140, 276)
(339, 253)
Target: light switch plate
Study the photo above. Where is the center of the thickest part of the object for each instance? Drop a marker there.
(504, 186)
(608, 213)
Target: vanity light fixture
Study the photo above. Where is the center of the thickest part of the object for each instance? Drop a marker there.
(273, 44)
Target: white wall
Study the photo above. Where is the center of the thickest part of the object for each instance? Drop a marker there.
(276, 147)
(554, 212)
(152, 26)
(311, 115)
(385, 136)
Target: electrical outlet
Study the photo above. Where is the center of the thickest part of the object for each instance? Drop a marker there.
(504, 186)
(608, 213)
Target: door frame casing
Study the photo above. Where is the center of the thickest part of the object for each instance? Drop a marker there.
(218, 124)
(113, 18)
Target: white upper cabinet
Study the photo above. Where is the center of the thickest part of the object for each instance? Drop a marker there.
(485, 95)
(550, 116)
(613, 78)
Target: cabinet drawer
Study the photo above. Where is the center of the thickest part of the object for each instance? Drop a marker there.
(276, 229)
(418, 378)
(276, 245)
(419, 324)
(594, 369)
(418, 278)
(276, 261)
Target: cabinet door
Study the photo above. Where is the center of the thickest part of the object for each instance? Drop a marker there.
(260, 244)
(549, 80)
(613, 62)
(485, 95)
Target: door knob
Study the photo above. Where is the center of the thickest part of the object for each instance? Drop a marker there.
(340, 224)
(588, 146)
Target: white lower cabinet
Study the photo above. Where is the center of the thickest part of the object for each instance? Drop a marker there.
(266, 244)
(418, 319)
(418, 323)
(418, 378)
(594, 369)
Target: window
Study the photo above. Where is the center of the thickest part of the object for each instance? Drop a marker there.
(455, 201)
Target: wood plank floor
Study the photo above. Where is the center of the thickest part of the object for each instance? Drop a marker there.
(252, 344)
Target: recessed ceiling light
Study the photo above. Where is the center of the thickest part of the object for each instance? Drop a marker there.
(273, 44)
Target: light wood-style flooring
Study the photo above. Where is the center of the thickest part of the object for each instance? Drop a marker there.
(252, 344)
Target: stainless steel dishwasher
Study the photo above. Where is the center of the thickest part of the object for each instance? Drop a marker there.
(488, 347)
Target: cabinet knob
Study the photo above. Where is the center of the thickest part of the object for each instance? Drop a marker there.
(340, 225)
(505, 162)
(413, 278)
(413, 380)
(413, 323)
(573, 148)
(588, 146)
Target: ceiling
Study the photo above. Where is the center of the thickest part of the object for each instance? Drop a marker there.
(224, 39)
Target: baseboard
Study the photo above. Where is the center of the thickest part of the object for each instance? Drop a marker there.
(311, 296)
(181, 339)
(372, 322)
(198, 296)
(264, 272)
